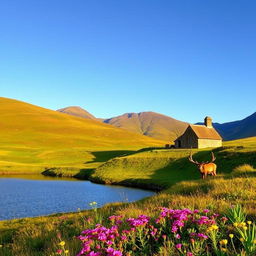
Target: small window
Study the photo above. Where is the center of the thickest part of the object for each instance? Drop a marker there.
(179, 144)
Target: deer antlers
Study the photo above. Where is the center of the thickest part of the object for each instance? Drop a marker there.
(191, 159)
(213, 158)
(195, 162)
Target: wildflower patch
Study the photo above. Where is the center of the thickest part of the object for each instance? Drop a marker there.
(173, 232)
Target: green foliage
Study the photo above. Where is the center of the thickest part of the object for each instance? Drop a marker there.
(248, 238)
(236, 214)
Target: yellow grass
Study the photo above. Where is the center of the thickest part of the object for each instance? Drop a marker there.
(32, 137)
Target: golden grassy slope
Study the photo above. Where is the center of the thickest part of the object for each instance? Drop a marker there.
(32, 137)
(27, 125)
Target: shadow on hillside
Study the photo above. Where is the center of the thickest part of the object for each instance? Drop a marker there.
(182, 170)
(176, 171)
(84, 174)
(140, 183)
(150, 149)
(103, 156)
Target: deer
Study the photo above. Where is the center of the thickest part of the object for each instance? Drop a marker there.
(205, 168)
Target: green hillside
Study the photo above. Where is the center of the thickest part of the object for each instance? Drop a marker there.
(163, 168)
(35, 137)
(150, 124)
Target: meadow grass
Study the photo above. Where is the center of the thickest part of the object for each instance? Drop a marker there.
(168, 167)
(65, 162)
(159, 169)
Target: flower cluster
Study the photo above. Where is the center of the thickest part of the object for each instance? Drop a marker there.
(173, 232)
(142, 220)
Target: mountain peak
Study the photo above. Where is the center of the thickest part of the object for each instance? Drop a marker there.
(151, 124)
(77, 111)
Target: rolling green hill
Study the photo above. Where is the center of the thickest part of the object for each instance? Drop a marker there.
(150, 124)
(162, 168)
(31, 136)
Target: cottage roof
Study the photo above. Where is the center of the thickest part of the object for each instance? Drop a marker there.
(203, 132)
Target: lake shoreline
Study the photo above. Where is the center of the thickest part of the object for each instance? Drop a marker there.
(79, 193)
(80, 174)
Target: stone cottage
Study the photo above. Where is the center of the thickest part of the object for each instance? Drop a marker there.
(199, 136)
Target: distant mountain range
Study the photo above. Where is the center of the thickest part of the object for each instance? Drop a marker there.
(166, 128)
(238, 129)
(151, 124)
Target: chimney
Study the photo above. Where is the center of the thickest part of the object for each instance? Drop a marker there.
(208, 122)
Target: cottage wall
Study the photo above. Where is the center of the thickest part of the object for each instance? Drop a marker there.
(209, 143)
(187, 140)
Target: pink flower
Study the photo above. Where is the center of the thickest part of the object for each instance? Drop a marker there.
(224, 219)
(109, 242)
(164, 237)
(202, 236)
(124, 238)
(116, 219)
(94, 254)
(113, 217)
(102, 237)
(111, 252)
(140, 221)
(177, 236)
(178, 246)
(153, 232)
(174, 229)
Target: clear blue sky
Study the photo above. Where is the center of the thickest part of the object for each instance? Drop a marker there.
(183, 58)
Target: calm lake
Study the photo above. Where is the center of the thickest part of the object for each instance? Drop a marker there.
(29, 196)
